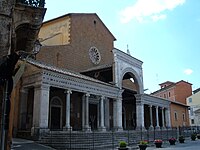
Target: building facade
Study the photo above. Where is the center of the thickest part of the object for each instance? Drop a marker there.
(177, 94)
(193, 102)
(80, 82)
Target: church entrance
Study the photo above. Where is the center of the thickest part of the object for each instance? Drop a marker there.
(55, 114)
(93, 116)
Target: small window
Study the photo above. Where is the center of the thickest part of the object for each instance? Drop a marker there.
(164, 96)
(175, 116)
(192, 121)
(190, 100)
(183, 117)
(169, 94)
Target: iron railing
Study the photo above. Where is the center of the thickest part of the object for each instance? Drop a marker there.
(34, 3)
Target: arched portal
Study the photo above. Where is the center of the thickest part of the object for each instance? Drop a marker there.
(131, 87)
(56, 107)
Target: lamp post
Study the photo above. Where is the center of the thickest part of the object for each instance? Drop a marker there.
(36, 48)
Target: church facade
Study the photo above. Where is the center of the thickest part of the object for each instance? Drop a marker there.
(80, 82)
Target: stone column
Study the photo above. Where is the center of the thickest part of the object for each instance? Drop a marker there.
(117, 114)
(102, 124)
(87, 127)
(163, 118)
(107, 113)
(151, 118)
(23, 107)
(40, 109)
(157, 119)
(67, 123)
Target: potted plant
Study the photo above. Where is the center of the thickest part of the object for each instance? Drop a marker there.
(193, 137)
(198, 136)
(143, 144)
(122, 145)
(181, 139)
(158, 143)
(172, 141)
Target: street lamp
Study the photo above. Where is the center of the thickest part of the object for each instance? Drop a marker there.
(36, 48)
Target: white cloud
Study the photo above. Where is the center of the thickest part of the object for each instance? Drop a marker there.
(158, 17)
(144, 9)
(188, 71)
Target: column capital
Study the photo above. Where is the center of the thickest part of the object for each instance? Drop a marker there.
(87, 94)
(103, 97)
(68, 91)
(42, 86)
(24, 90)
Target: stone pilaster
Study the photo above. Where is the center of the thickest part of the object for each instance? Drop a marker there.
(167, 116)
(41, 109)
(140, 113)
(117, 114)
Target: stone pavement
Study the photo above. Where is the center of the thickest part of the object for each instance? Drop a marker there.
(22, 144)
(188, 145)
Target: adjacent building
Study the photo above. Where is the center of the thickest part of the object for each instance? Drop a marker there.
(177, 93)
(193, 102)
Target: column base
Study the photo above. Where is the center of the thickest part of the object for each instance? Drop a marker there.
(102, 129)
(87, 129)
(163, 128)
(151, 128)
(157, 128)
(37, 132)
(140, 128)
(118, 129)
(68, 128)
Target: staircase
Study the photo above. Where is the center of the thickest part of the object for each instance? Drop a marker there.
(63, 140)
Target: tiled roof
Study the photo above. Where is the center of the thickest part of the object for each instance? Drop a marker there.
(98, 67)
(64, 71)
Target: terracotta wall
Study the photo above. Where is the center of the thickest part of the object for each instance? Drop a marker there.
(180, 111)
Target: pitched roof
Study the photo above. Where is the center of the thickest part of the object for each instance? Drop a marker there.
(76, 14)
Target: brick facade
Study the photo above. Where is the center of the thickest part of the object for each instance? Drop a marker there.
(86, 30)
(177, 93)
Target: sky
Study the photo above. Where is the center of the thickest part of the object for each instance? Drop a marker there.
(164, 34)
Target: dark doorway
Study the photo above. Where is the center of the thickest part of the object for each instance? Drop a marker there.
(55, 117)
(93, 116)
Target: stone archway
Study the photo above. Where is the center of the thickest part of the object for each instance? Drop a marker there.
(130, 73)
(56, 107)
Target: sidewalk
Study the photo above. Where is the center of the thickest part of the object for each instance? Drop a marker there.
(22, 144)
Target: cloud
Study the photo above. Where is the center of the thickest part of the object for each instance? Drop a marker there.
(188, 71)
(148, 9)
